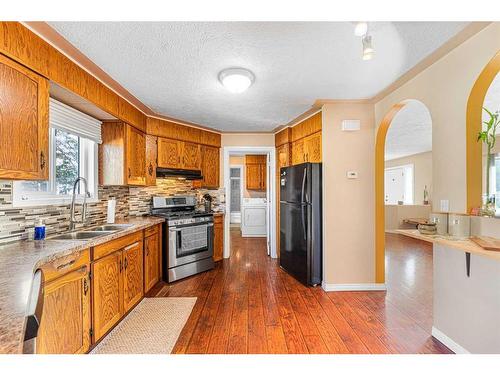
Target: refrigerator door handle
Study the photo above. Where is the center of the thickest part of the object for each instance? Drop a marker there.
(304, 178)
(304, 221)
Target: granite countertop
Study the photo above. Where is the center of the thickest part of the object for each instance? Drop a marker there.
(19, 261)
(465, 245)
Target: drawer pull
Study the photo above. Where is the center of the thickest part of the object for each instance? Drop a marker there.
(131, 246)
(66, 265)
(126, 263)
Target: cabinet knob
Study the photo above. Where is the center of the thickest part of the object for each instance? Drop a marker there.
(150, 169)
(85, 287)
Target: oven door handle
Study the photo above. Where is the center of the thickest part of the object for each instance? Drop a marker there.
(178, 229)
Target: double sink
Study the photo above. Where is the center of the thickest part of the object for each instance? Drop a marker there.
(89, 233)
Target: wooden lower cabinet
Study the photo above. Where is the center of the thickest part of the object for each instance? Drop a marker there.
(152, 251)
(218, 237)
(133, 288)
(65, 324)
(107, 301)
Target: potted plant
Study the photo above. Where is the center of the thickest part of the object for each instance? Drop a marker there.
(488, 137)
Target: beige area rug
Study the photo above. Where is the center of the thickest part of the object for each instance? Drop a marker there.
(152, 327)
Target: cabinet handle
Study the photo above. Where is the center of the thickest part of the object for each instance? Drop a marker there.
(126, 262)
(129, 173)
(150, 169)
(85, 286)
(131, 246)
(42, 160)
(66, 265)
(121, 266)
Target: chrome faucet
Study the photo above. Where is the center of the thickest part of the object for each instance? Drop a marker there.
(72, 220)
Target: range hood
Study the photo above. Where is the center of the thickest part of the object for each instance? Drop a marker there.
(188, 174)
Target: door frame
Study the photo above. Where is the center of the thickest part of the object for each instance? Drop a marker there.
(271, 193)
(242, 181)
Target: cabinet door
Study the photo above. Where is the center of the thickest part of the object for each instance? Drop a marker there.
(151, 261)
(298, 152)
(107, 293)
(191, 156)
(312, 148)
(24, 123)
(65, 324)
(253, 176)
(136, 156)
(218, 237)
(283, 156)
(151, 159)
(169, 153)
(133, 284)
(210, 160)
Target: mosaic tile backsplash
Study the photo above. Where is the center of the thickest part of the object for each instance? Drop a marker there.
(18, 223)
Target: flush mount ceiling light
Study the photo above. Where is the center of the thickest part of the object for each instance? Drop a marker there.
(361, 28)
(368, 50)
(236, 80)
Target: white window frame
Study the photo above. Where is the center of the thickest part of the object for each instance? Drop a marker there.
(88, 160)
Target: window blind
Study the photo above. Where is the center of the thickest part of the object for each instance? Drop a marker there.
(64, 117)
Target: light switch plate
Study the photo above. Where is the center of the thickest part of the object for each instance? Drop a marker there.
(352, 175)
(444, 205)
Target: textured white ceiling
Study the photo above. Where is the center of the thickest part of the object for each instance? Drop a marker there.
(172, 67)
(410, 132)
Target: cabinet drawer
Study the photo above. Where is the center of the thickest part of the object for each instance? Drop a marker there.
(151, 230)
(111, 246)
(64, 265)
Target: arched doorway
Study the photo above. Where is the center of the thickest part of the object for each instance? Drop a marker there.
(380, 162)
(473, 126)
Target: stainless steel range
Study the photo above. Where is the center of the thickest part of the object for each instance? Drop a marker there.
(188, 237)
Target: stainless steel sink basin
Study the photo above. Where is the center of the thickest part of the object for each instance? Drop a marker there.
(110, 227)
(83, 235)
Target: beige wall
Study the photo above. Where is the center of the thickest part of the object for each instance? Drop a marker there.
(444, 88)
(243, 140)
(422, 173)
(348, 205)
(240, 160)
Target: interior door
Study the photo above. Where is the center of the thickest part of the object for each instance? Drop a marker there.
(132, 275)
(394, 185)
(65, 324)
(107, 293)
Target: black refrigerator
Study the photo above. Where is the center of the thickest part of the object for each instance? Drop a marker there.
(301, 222)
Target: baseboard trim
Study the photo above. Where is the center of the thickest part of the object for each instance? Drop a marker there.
(452, 345)
(352, 287)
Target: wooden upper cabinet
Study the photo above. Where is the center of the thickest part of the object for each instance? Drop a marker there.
(122, 155)
(256, 172)
(210, 160)
(131, 115)
(191, 156)
(24, 123)
(135, 156)
(133, 288)
(107, 293)
(312, 148)
(169, 153)
(151, 159)
(283, 156)
(65, 324)
(298, 152)
(151, 261)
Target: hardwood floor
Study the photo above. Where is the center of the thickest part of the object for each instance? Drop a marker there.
(247, 304)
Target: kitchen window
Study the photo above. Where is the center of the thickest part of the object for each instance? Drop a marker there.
(73, 141)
